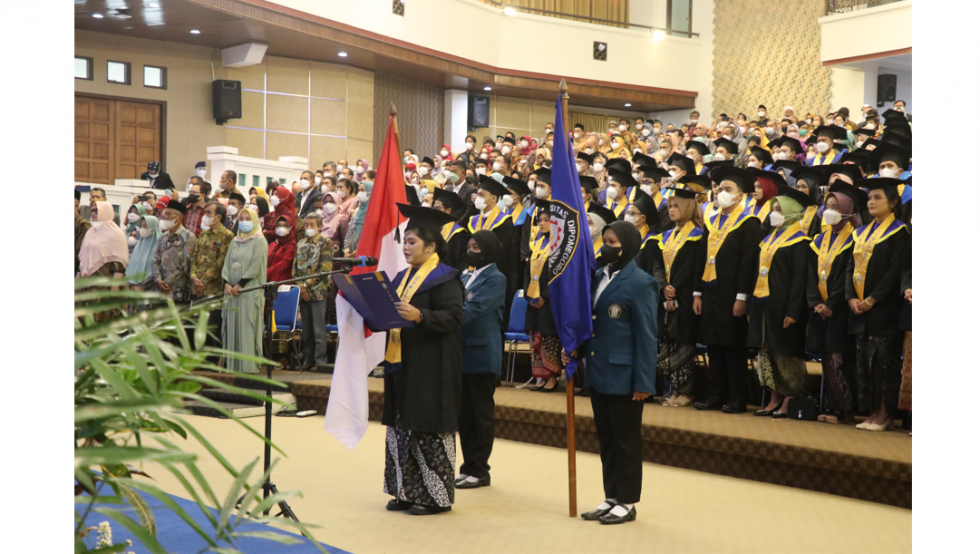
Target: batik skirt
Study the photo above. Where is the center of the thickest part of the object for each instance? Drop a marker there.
(420, 467)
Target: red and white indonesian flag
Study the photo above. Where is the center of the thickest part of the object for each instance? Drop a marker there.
(360, 351)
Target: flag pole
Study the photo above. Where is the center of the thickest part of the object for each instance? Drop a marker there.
(394, 123)
(569, 387)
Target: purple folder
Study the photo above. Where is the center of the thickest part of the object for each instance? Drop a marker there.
(374, 297)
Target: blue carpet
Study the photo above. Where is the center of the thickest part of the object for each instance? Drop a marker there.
(175, 536)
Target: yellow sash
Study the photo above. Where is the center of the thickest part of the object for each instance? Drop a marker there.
(619, 206)
(807, 220)
(597, 245)
(716, 239)
(828, 253)
(485, 223)
(826, 159)
(775, 241)
(539, 254)
(863, 247)
(764, 210)
(674, 243)
(516, 213)
(407, 288)
(447, 230)
(710, 212)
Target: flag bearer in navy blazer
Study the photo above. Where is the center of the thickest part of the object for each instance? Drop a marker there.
(621, 358)
(483, 345)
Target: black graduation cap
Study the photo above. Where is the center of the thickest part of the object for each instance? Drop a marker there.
(623, 178)
(701, 147)
(866, 132)
(618, 164)
(890, 152)
(543, 206)
(832, 131)
(412, 196)
(810, 140)
(654, 173)
(78, 194)
(176, 205)
(814, 176)
(869, 142)
(742, 178)
(772, 176)
(428, 160)
(785, 165)
(804, 199)
(890, 113)
(851, 170)
(788, 141)
(587, 158)
(449, 199)
(235, 195)
(510, 140)
(643, 159)
(762, 155)
(730, 147)
(544, 175)
(685, 193)
(900, 126)
(681, 161)
(492, 186)
(517, 185)
(588, 182)
(878, 183)
(607, 215)
(898, 139)
(859, 157)
(718, 163)
(647, 207)
(702, 181)
(426, 218)
(858, 196)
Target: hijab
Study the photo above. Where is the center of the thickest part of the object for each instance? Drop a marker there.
(103, 245)
(141, 211)
(629, 238)
(290, 236)
(363, 206)
(256, 228)
(260, 193)
(363, 174)
(690, 210)
(846, 206)
(285, 209)
(141, 260)
(331, 221)
(597, 224)
(768, 191)
(489, 246)
(792, 211)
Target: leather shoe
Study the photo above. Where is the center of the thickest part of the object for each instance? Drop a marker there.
(395, 505)
(610, 519)
(481, 482)
(596, 515)
(584, 392)
(779, 415)
(764, 412)
(713, 403)
(422, 510)
(734, 408)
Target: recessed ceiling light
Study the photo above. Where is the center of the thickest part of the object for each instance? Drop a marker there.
(154, 5)
(97, 15)
(627, 105)
(510, 11)
(487, 88)
(659, 35)
(195, 32)
(342, 54)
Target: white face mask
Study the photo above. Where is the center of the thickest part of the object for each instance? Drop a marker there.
(776, 219)
(145, 233)
(636, 176)
(232, 209)
(597, 166)
(415, 180)
(254, 207)
(577, 134)
(311, 232)
(206, 222)
(602, 141)
(331, 208)
(148, 208)
(673, 175)
(407, 159)
(726, 199)
(317, 179)
(811, 155)
(645, 132)
(497, 166)
(153, 175)
(631, 219)
(166, 224)
(831, 217)
(622, 128)
(282, 231)
(822, 147)
(647, 189)
(480, 203)
(131, 240)
(888, 173)
(656, 130)
(580, 166)
(320, 212)
(481, 171)
(612, 193)
(770, 131)
(523, 144)
(720, 157)
(508, 201)
(202, 172)
(362, 196)
(663, 153)
(859, 143)
(505, 150)
(304, 184)
(781, 156)
(274, 200)
(133, 218)
(426, 205)
(498, 144)
(548, 131)
(469, 146)
(762, 113)
(615, 144)
(424, 170)
(590, 151)
(870, 127)
(540, 192)
(444, 152)
(752, 164)
(483, 155)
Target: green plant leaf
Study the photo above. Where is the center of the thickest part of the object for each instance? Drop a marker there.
(85, 457)
(142, 535)
(224, 514)
(140, 507)
(271, 536)
(155, 491)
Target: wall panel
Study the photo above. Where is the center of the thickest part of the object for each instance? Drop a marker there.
(420, 113)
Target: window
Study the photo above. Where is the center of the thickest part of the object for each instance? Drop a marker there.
(154, 77)
(83, 68)
(679, 17)
(118, 72)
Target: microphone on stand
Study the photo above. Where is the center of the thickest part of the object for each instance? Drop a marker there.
(359, 261)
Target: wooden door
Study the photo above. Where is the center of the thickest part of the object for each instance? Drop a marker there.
(137, 138)
(94, 145)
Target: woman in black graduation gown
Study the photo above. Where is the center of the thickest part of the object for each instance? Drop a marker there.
(777, 320)
(808, 180)
(454, 233)
(827, 332)
(905, 324)
(726, 283)
(423, 372)
(873, 294)
(681, 251)
(539, 321)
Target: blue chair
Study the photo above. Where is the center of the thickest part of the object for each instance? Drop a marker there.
(286, 308)
(515, 331)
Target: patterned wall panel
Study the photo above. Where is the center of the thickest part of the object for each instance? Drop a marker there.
(769, 53)
(420, 114)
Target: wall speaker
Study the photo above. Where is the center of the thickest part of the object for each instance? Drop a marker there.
(478, 111)
(886, 87)
(226, 100)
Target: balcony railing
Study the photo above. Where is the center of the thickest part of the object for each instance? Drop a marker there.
(586, 14)
(845, 6)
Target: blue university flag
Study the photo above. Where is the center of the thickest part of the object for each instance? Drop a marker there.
(571, 258)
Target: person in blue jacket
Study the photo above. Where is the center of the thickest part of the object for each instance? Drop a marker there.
(621, 358)
(483, 345)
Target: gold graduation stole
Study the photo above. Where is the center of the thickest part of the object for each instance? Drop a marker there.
(658, 198)
(762, 212)
(828, 252)
(864, 245)
(826, 159)
(539, 254)
(674, 243)
(597, 245)
(775, 241)
(717, 238)
(709, 211)
(807, 220)
(407, 288)
(516, 211)
(488, 222)
(618, 207)
(448, 230)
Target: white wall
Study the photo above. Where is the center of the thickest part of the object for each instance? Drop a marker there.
(847, 89)
(868, 31)
(481, 33)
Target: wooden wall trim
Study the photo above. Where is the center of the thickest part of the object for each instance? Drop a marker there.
(865, 57)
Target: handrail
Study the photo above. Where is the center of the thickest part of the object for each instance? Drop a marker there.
(845, 6)
(589, 18)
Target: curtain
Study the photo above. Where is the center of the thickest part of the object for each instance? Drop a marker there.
(593, 122)
(580, 10)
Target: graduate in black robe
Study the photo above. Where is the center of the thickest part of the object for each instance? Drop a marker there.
(541, 190)
(455, 235)
(650, 179)
(539, 320)
(810, 181)
(778, 312)
(722, 294)
(643, 215)
(423, 372)
(491, 218)
(519, 198)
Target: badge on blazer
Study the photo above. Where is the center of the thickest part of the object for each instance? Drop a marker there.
(615, 311)
(469, 295)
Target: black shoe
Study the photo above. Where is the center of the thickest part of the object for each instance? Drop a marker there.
(610, 519)
(779, 415)
(481, 482)
(734, 408)
(584, 391)
(395, 505)
(422, 510)
(713, 403)
(596, 515)
(552, 389)
(764, 412)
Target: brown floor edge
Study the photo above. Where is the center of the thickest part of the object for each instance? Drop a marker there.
(859, 485)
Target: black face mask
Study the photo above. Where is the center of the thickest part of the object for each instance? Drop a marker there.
(193, 199)
(609, 254)
(474, 259)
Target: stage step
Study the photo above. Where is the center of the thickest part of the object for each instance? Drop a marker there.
(223, 396)
(239, 410)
